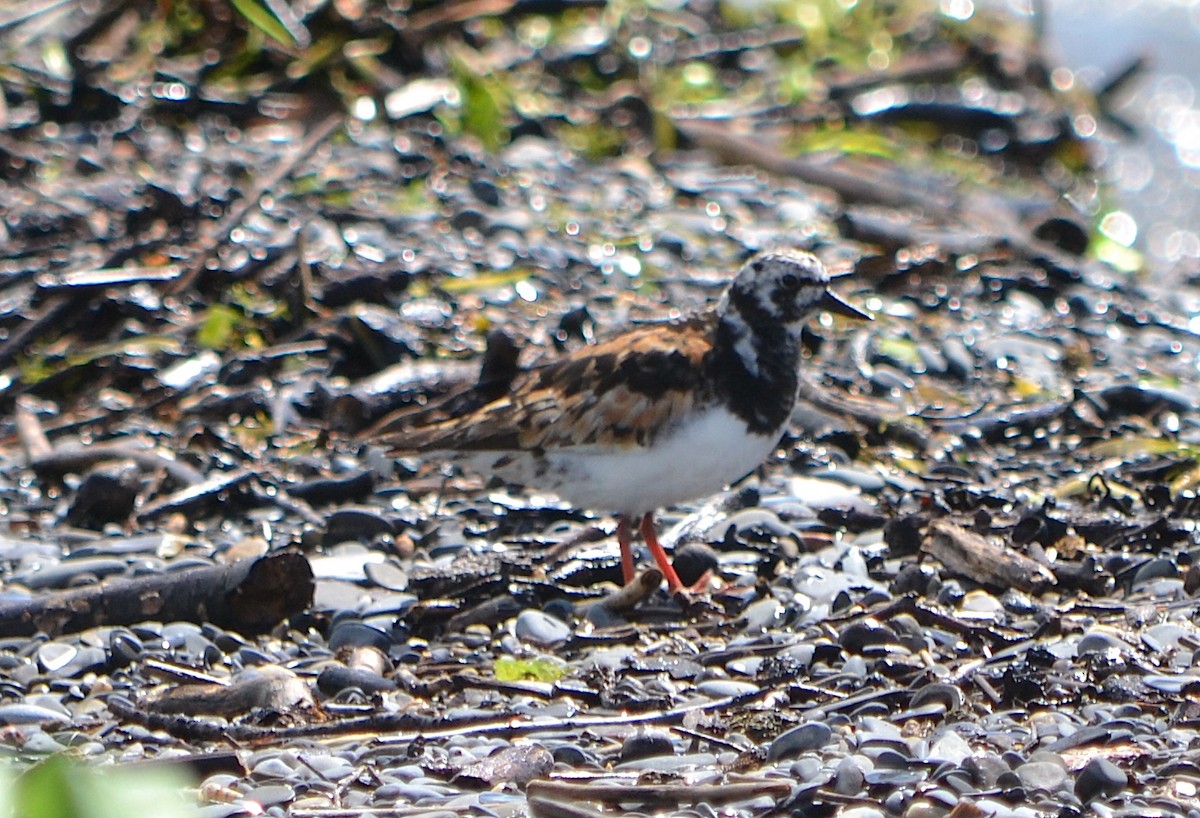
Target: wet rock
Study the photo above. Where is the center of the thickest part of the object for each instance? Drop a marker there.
(645, 744)
(106, 496)
(1099, 778)
(538, 628)
(803, 738)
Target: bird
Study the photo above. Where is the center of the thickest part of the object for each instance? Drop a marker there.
(659, 414)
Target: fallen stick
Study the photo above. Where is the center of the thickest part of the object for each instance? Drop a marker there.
(249, 596)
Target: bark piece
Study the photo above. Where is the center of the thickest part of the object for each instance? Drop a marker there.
(978, 558)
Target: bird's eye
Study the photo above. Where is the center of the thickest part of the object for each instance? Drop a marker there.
(790, 281)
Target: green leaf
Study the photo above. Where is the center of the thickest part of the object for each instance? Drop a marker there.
(509, 669)
(266, 22)
(60, 788)
(219, 330)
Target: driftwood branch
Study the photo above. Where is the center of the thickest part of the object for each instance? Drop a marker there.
(249, 596)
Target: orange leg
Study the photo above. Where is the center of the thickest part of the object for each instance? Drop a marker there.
(625, 540)
(651, 538)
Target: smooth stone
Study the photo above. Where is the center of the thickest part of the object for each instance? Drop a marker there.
(124, 648)
(59, 575)
(39, 743)
(985, 769)
(85, 660)
(333, 680)
(646, 744)
(925, 809)
(848, 777)
(761, 615)
(1099, 642)
(948, 695)
(806, 769)
(22, 713)
(800, 739)
(726, 688)
(271, 794)
(950, 746)
(1042, 775)
(54, 656)
(538, 628)
(350, 633)
(861, 812)
(1100, 777)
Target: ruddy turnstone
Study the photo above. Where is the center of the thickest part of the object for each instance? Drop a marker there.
(662, 413)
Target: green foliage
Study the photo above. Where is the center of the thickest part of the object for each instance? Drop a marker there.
(236, 326)
(543, 669)
(261, 18)
(484, 106)
(60, 788)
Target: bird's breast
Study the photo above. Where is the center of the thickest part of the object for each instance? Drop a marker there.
(700, 455)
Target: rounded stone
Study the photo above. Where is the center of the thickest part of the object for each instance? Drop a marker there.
(803, 738)
(1099, 777)
(538, 628)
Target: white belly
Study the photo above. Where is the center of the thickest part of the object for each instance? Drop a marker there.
(697, 460)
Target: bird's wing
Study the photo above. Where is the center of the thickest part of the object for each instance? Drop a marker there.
(622, 392)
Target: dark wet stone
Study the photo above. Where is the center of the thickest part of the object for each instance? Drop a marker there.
(362, 524)
(803, 738)
(1154, 569)
(107, 495)
(985, 769)
(858, 636)
(333, 680)
(1136, 399)
(948, 696)
(351, 487)
(896, 802)
(248, 656)
(693, 560)
(570, 756)
(1100, 777)
(124, 648)
(645, 744)
(485, 191)
(1107, 733)
(892, 760)
(351, 633)
(65, 573)
(912, 579)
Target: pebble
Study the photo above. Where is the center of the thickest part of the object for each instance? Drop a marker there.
(848, 777)
(1046, 776)
(1099, 778)
(645, 744)
(541, 629)
(803, 738)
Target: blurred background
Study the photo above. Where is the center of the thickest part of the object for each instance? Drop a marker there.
(1156, 169)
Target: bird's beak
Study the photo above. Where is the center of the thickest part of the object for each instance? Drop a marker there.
(837, 306)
